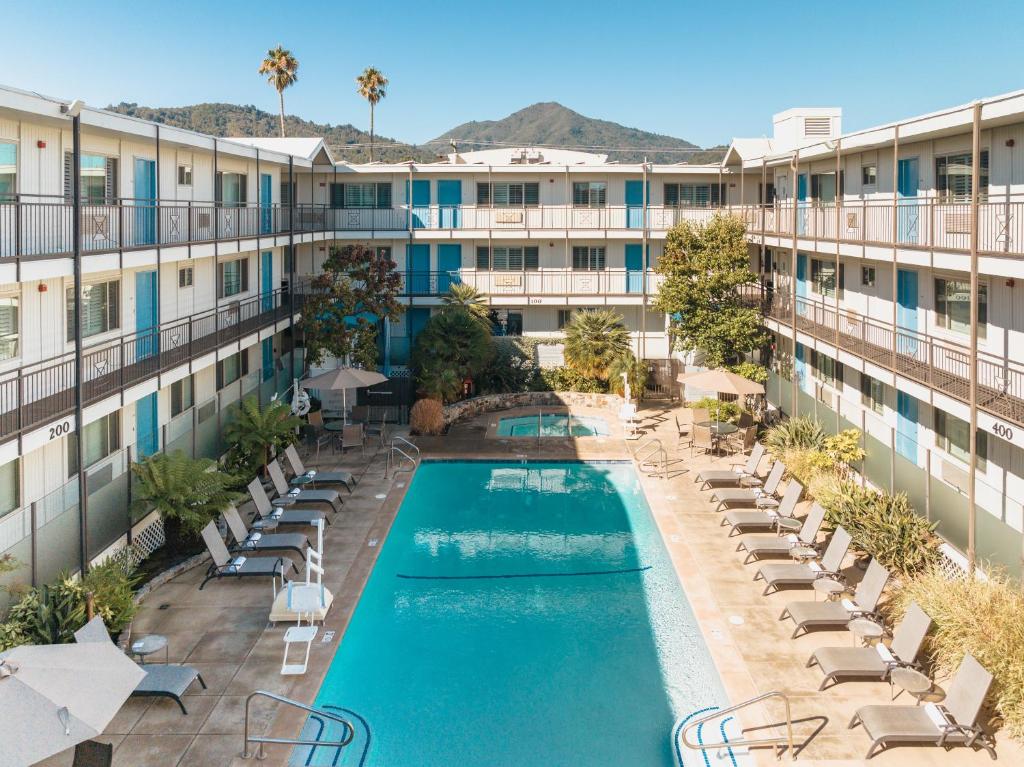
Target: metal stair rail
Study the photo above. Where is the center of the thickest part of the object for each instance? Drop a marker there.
(776, 742)
(261, 739)
(413, 462)
(653, 452)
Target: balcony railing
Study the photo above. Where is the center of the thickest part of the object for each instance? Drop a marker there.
(44, 391)
(938, 363)
(544, 282)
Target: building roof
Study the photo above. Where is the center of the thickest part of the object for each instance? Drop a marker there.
(309, 148)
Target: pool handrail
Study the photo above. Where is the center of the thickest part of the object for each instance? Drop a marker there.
(776, 742)
(659, 451)
(396, 449)
(261, 739)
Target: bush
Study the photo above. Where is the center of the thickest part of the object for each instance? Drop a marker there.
(802, 432)
(113, 591)
(510, 369)
(718, 410)
(451, 347)
(427, 417)
(806, 465)
(636, 374)
(567, 379)
(751, 371)
(984, 618)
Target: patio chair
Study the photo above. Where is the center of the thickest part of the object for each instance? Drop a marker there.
(246, 540)
(838, 663)
(684, 435)
(808, 615)
(162, 680)
(744, 519)
(746, 419)
(742, 441)
(701, 415)
(746, 471)
(762, 545)
(702, 440)
(331, 477)
(92, 753)
(320, 435)
(279, 516)
(226, 566)
(762, 497)
(295, 496)
(353, 435)
(955, 722)
(776, 574)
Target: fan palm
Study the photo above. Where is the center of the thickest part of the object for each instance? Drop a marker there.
(372, 84)
(461, 296)
(281, 69)
(594, 340)
(253, 433)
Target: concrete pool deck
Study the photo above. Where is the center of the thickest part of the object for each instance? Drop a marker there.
(223, 630)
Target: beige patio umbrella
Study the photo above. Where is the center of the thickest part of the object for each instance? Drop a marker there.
(721, 381)
(56, 696)
(344, 379)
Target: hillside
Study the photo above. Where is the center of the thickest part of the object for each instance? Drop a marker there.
(551, 123)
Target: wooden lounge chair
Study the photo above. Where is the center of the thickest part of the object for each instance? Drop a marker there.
(226, 566)
(807, 615)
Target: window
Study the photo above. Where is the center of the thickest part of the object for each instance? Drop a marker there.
(953, 176)
(184, 175)
(384, 253)
(587, 258)
(182, 396)
(694, 195)
(589, 194)
(564, 318)
(100, 308)
(364, 195)
(872, 393)
(953, 306)
(867, 276)
(8, 171)
(286, 193)
(8, 327)
(951, 435)
(231, 189)
(508, 195)
(766, 193)
(823, 277)
(233, 277)
(823, 187)
(9, 487)
(826, 369)
(98, 178)
(508, 258)
(185, 277)
(230, 369)
(286, 266)
(869, 175)
(99, 439)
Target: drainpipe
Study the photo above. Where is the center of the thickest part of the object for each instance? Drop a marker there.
(895, 236)
(643, 273)
(293, 189)
(795, 168)
(764, 203)
(411, 278)
(76, 234)
(159, 239)
(839, 175)
(972, 511)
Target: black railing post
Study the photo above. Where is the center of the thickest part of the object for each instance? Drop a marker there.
(292, 189)
(76, 231)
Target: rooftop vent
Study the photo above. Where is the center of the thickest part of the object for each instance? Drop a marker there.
(527, 157)
(817, 126)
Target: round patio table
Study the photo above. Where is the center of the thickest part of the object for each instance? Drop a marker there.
(913, 681)
(866, 630)
(332, 415)
(335, 426)
(149, 645)
(829, 587)
(719, 428)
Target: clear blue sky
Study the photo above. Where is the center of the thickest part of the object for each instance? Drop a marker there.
(701, 71)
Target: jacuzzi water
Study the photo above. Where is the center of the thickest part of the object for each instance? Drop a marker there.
(519, 614)
(552, 425)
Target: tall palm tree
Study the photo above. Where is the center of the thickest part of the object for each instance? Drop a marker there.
(372, 83)
(467, 298)
(281, 69)
(594, 341)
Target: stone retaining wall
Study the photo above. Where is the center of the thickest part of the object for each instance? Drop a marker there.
(488, 403)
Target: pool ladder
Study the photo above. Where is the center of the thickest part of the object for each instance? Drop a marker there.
(776, 742)
(259, 740)
(400, 457)
(649, 455)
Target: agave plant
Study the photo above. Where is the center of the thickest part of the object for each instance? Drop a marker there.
(802, 433)
(50, 614)
(595, 341)
(254, 432)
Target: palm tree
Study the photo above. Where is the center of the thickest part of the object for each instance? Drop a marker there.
(372, 83)
(461, 296)
(594, 341)
(281, 69)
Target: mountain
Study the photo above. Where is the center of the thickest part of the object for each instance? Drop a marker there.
(550, 123)
(236, 120)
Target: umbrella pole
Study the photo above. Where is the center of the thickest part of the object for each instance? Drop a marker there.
(344, 407)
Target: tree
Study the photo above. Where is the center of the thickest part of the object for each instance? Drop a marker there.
(451, 347)
(461, 296)
(704, 267)
(636, 374)
(355, 289)
(372, 84)
(281, 69)
(594, 341)
(253, 433)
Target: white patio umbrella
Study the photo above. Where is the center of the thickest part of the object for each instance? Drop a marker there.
(721, 381)
(344, 379)
(56, 696)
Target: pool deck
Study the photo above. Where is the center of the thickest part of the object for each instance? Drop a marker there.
(223, 630)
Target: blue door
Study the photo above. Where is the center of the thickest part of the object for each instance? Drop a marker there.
(417, 264)
(449, 201)
(266, 200)
(908, 214)
(417, 319)
(147, 432)
(449, 262)
(266, 281)
(906, 426)
(801, 204)
(804, 381)
(906, 312)
(145, 203)
(634, 268)
(147, 330)
(635, 204)
(420, 206)
(268, 358)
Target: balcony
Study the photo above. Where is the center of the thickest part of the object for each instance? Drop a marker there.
(543, 282)
(934, 362)
(44, 391)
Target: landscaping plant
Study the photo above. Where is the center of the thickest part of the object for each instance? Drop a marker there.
(594, 342)
(427, 417)
(254, 434)
(751, 371)
(717, 409)
(451, 347)
(801, 432)
(636, 374)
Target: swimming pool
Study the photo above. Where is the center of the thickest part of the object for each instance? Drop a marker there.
(519, 614)
(552, 425)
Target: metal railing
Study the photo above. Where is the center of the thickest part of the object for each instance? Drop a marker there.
(558, 281)
(775, 742)
(259, 740)
(395, 448)
(648, 453)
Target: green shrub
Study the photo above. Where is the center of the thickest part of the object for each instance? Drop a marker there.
(636, 373)
(567, 379)
(984, 618)
(751, 371)
(802, 432)
(253, 432)
(113, 592)
(844, 448)
(806, 465)
(717, 410)
(451, 347)
(510, 369)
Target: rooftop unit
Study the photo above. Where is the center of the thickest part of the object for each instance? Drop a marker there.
(804, 126)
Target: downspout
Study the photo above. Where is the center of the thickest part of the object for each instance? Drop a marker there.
(292, 194)
(643, 273)
(838, 364)
(764, 208)
(795, 168)
(972, 510)
(895, 239)
(76, 234)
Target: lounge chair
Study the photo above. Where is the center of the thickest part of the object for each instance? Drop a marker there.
(808, 615)
(246, 540)
(297, 497)
(758, 546)
(776, 574)
(318, 477)
(955, 722)
(162, 680)
(761, 497)
(839, 663)
(744, 519)
(226, 566)
(280, 516)
(746, 471)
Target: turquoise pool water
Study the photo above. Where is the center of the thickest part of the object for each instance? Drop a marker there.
(552, 425)
(519, 614)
